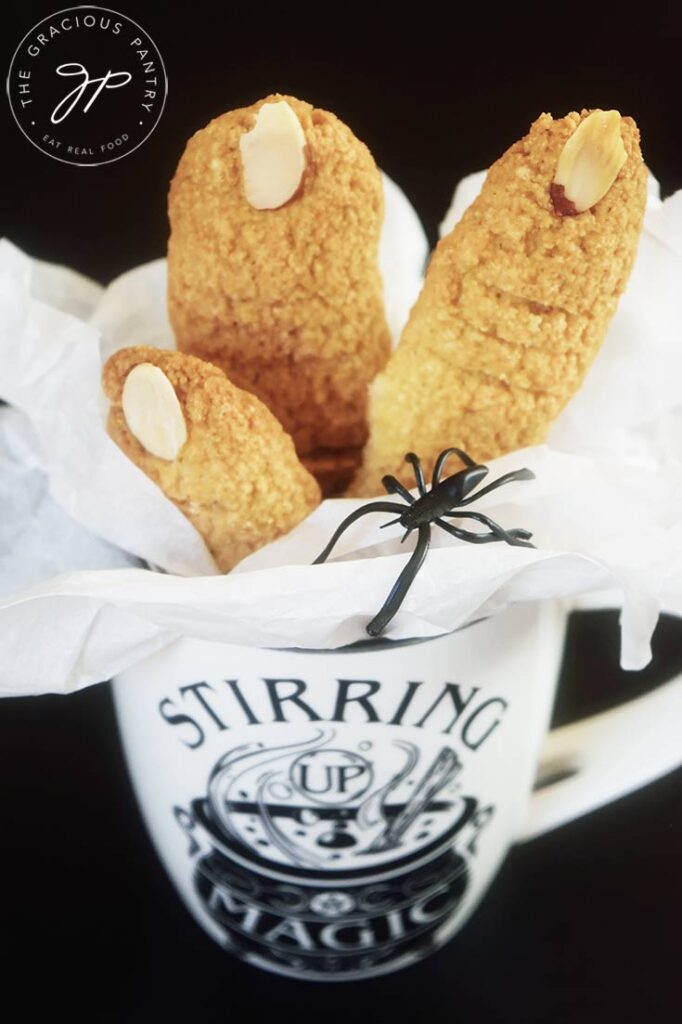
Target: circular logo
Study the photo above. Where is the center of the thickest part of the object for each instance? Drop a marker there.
(87, 86)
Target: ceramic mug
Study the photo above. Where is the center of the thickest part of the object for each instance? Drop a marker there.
(336, 815)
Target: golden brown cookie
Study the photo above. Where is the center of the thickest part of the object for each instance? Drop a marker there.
(516, 302)
(288, 301)
(214, 450)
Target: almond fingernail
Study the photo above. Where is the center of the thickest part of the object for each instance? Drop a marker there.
(273, 157)
(589, 163)
(152, 411)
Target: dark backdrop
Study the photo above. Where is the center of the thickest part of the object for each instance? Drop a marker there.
(580, 925)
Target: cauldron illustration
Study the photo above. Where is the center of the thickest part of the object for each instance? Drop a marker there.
(322, 859)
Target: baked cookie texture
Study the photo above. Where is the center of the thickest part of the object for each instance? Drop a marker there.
(289, 301)
(237, 477)
(515, 304)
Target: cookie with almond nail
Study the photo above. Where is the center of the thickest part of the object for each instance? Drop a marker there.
(276, 213)
(517, 299)
(214, 450)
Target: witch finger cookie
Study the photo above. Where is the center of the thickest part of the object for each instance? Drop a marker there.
(516, 301)
(215, 451)
(276, 213)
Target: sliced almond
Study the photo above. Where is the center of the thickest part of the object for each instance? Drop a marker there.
(153, 412)
(589, 163)
(273, 157)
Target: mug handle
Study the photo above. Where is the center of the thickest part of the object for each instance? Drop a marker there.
(588, 763)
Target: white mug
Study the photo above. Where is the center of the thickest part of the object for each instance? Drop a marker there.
(339, 814)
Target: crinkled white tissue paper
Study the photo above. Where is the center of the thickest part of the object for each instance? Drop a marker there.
(79, 520)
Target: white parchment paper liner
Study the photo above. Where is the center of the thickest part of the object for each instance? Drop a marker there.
(605, 508)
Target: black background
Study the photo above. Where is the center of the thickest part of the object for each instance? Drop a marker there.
(580, 925)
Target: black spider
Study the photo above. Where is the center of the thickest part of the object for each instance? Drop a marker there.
(444, 496)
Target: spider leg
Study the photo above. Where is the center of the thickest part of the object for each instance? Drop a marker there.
(374, 506)
(443, 458)
(515, 537)
(391, 522)
(394, 486)
(402, 584)
(415, 462)
(517, 474)
(521, 534)
(472, 538)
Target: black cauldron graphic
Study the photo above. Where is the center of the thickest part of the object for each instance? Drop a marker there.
(331, 859)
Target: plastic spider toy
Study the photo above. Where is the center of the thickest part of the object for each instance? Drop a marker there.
(445, 498)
